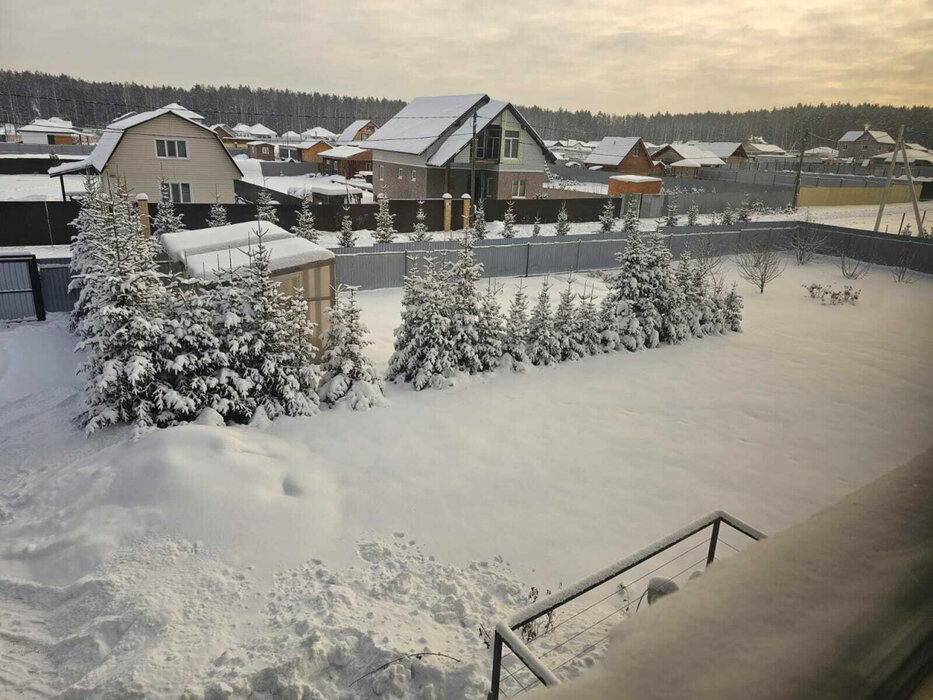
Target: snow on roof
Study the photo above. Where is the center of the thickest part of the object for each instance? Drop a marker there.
(422, 122)
(285, 255)
(111, 138)
(318, 132)
(309, 144)
(52, 125)
(917, 147)
(720, 149)
(635, 178)
(325, 187)
(348, 133)
(258, 129)
(258, 143)
(186, 243)
(687, 151)
(461, 137)
(343, 152)
(913, 155)
(611, 150)
(762, 147)
(290, 136)
(879, 136)
(241, 128)
(822, 151)
(183, 111)
(686, 163)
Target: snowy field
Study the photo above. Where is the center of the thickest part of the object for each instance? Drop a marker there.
(315, 549)
(37, 187)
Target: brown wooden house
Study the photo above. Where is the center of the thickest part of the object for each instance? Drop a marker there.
(360, 130)
(346, 160)
(621, 154)
(305, 152)
(261, 150)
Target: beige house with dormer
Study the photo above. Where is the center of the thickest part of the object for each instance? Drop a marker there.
(162, 145)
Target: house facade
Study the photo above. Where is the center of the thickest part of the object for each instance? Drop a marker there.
(147, 149)
(305, 152)
(621, 154)
(260, 150)
(425, 150)
(346, 160)
(672, 153)
(864, 144)
(728, 151)
(50, 132)
(360, 130)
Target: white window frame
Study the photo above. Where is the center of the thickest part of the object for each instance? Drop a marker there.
(400, 176)
(519, 188)
(382, 173)
(506, 139)
(155, 145)
(179, 183)
(414, 174)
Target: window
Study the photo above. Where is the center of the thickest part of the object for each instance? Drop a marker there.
(512, 139)
(413, 171)
(179, 192)
(399, 173)
(518, 188)
(50, 139)
(171, 149)
(490, 150)
(635, 151)
(382, 172)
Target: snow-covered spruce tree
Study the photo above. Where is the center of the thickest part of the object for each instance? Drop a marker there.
(423, 353)
(121, 329)
(727, 218)
(618, 326)
(543, 345)
(385, 223)
(193, 366)
(269, 342)
(565, 326)
(693, 214)
(266, 208)
(304, 226)
(670, 297)
(630, 218)
(167, 220)
(464, 307)
(490, 329)
(607, 217)
(587, 327)
(349, 375)
(536, 227)
(732, 309)
(420, 233)
(346, 238)
(89, 244)
(744, 212)
(694, 290)
(508, 221)
(562, 228)
(514, 345)
(636, 282)
(479, 220)
(218, 213)
(670, 218)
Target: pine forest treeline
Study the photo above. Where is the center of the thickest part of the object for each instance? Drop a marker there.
(26, 94)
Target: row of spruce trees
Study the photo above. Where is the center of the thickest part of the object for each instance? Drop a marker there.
(163, 349)
(448, 326)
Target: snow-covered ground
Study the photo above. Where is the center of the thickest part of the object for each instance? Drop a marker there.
(19, 188)
(317, 549)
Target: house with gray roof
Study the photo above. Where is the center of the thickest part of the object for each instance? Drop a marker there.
(864, 144)
(360, 130)
(621, 154)
(425, 150)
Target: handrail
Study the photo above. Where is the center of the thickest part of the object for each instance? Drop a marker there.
(505, 629)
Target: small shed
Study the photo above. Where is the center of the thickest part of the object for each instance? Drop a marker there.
(347, 160)
(294, 262)
(634, 184)
(686, 168)
(261, 150)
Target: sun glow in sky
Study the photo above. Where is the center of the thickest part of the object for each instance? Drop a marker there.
(616, 56)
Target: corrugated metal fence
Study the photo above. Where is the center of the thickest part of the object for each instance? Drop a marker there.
(20, 288)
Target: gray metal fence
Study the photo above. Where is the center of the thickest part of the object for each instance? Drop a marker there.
(386, 265)
(20, 288)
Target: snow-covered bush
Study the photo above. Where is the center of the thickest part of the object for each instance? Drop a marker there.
(304, 227)
(587, 331)
(693, 213)
(218, 214)
(266, 208)
(508, 221)
(727, 218)
(490, 329)
(543, 345)
(630, 217)
(423, 353)
(607, 217)
(562, 228)
(479, 220)
(670, 217)
(536, 227)
(826, 294)
(733, 309)
(385, 223)
(565, 327)
(420, 233)
(349, 375)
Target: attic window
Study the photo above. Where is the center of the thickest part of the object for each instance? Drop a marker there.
(512, 139)
(635, 151)
(171, 149)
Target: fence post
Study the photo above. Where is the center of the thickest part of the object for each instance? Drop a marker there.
(496, 667)
(447, 207)
(579, 249)
(142, 199)
(35, 281)
(466, 210)
(528, 256)
(714, 538)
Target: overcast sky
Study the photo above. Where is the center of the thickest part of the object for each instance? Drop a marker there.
(613, 55)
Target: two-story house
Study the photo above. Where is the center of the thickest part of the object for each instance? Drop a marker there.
(147, 149)
(425, 150)
(864, 144)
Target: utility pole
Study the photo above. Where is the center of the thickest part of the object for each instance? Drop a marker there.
(803, 147)
(473, 161)
(910, 184)
(887, 182)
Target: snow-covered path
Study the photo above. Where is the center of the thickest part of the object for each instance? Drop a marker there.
(559, 470)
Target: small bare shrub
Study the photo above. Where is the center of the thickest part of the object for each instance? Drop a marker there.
(834, 297)
(805, 242)
(853, 268)
(760, 265)
(705, 256)
(902, 269)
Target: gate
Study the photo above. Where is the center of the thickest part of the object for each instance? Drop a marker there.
(20, 288)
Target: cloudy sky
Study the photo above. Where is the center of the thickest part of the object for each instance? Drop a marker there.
(613, 55)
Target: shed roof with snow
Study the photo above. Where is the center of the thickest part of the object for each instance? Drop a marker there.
(879, 136)
(184, 111)
(612, 150)
(721, 149)
(343, 152)
(318, 132)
